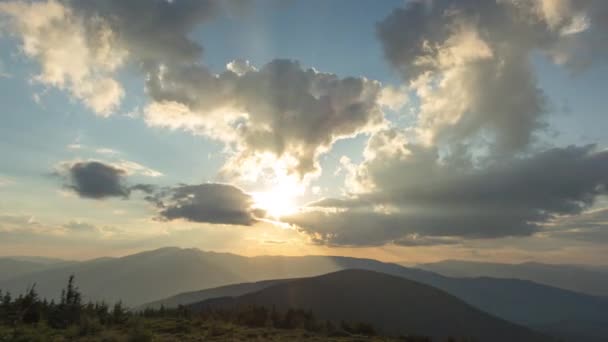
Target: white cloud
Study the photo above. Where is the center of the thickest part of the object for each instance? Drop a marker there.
(469, 64)
(106, 151)
(74, 54)
(133, 168)
(292, 112)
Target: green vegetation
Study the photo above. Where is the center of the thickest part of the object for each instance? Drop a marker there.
(28, 318)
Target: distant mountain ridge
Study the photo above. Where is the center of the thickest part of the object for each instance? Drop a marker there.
(394, 305)
(570, 277)
(149, 276)
(11, 267)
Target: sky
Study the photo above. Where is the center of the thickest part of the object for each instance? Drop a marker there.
(406, 131)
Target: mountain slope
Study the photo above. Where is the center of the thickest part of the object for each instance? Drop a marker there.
(234, 290)
(392, 304)
(568, 277)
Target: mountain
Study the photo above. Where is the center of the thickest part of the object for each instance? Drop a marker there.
(11, 267)
(134, 279)
(570, 277)
(233, 290)
(392, 304)
(37, 259)
(148, 276)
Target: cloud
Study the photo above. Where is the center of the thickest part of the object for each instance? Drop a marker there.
(80, 227)
(467, 167)
(98, 180)
(132, 167)
(282, 110)
(589, 226)
(17, 228)
(74, 54)
(415, 240)
(81, 45)
(469, 63)
(106, 151)
(207, 203)
(410, 189)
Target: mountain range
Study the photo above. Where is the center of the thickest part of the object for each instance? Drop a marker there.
(153, 275)
(588, 280)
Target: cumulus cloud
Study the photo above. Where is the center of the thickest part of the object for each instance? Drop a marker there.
(207, 203)
(469, 62)
(74, 54)
(98, 180)
(466, 168)
(283, 110)
(80, 45)
(412, 189)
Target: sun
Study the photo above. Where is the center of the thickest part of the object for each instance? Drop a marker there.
(280, 199)
(275, 202)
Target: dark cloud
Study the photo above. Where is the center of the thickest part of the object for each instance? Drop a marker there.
(155, 31)
(207, 203)
(368, 227)
(97, 180)
(413, 191)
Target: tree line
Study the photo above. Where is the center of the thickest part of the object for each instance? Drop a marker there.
(30, 309)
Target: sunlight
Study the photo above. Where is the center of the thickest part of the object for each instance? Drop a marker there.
(279, 197)
(279, 200)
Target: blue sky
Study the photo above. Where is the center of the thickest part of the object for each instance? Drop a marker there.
(46, 130)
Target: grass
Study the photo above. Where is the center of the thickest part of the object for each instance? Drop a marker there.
(169, 329)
